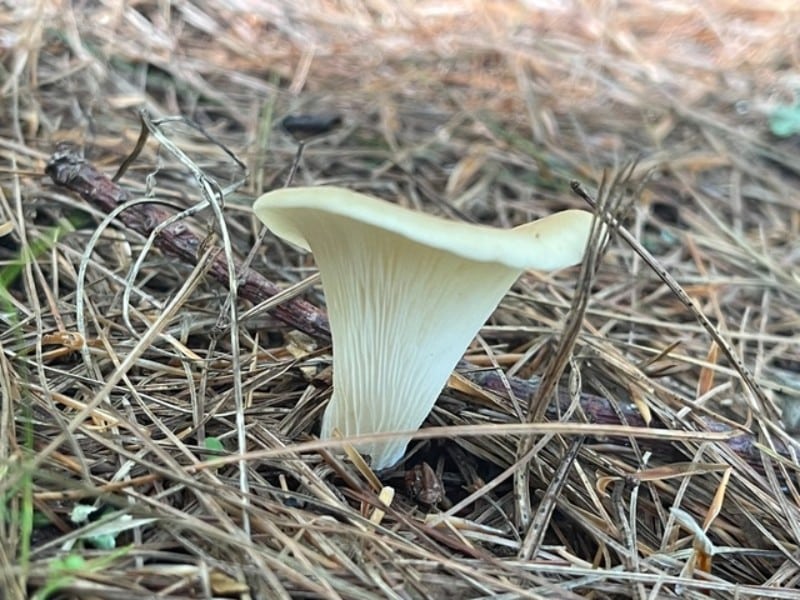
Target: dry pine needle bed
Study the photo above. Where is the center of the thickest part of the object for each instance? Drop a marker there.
(621, 429)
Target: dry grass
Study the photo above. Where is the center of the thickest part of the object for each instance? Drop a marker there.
(479, 110)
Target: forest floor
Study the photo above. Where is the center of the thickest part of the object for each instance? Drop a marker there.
(157, 433)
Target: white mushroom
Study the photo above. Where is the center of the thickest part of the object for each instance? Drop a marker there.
(406, 294)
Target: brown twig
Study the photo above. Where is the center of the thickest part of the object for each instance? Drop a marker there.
(600, 410)
(68, 169)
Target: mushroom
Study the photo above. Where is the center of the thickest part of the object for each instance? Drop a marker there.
(406, 294)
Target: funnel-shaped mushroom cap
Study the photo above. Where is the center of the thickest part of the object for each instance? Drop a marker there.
(406, 294)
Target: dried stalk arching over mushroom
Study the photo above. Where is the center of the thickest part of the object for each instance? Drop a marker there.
(406, 294)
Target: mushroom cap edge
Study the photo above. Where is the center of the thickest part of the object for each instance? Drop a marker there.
(552, 242)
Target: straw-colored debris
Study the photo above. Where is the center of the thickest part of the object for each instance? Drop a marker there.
(653, 458)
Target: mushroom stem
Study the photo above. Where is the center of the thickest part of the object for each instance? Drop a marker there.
(408, 312)
(406, 293)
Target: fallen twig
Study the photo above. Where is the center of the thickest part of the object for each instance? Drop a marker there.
(69, 169)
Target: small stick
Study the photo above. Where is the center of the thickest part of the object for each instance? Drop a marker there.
(67, 168)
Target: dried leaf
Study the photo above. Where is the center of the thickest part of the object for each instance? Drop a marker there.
(224, 585)
(386, 496)
(706, 380)
(464, 171)
(674, 470)
(719, 498)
